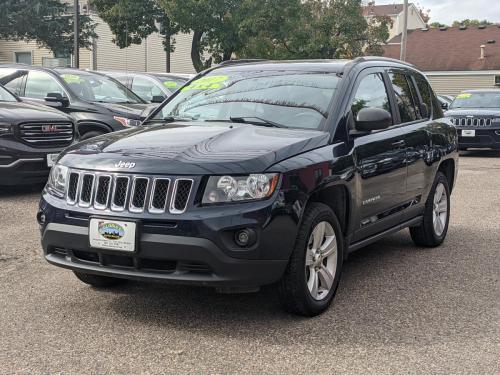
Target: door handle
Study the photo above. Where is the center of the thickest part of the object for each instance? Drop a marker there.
(399, 144)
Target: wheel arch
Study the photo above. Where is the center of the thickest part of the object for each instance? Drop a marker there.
(338, 198)
(447, 167)
(88, 126)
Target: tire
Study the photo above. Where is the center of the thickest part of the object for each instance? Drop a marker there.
(430, 233)
(295, 288)
(91, 134)
(98, 281)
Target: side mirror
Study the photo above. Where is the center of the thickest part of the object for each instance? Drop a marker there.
(55, 97)
(444, 105)
(158, 99)
(369, 119)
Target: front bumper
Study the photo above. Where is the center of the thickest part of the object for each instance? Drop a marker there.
(22, 164)
(484, 138)
(190, 250)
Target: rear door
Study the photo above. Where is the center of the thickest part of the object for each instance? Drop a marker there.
(380, 159)
(414, 115)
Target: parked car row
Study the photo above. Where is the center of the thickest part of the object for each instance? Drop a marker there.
(44, 110)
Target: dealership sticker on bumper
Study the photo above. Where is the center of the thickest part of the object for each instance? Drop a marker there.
(51, 159)
(112, 234)
(468, 133)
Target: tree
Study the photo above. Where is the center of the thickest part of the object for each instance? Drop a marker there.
(47, 22)
(131, 21)
(470, 22)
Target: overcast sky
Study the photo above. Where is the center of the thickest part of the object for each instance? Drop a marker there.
(447, 11)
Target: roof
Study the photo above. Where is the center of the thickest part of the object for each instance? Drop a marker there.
(383, 10)
(450, 49)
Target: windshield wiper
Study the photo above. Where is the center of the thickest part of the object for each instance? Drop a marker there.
(168, 119)
(256, 121)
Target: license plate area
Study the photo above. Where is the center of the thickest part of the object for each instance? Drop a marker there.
(468, 133)
(51, 159)
(110, 234)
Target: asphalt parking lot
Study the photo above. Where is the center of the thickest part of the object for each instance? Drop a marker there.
(399, 309)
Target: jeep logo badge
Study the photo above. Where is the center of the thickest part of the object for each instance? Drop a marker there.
(125, 164)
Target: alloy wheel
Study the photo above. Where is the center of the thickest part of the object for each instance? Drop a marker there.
(440, 209)
(321, 260)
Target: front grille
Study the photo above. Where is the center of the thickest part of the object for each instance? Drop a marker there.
(46, 134)
(133, 193)
(471, 121)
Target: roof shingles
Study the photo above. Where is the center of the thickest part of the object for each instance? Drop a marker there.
(451, 49)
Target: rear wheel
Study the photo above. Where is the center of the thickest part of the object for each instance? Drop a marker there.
(98, 281)
(432, 231)
(313, 272)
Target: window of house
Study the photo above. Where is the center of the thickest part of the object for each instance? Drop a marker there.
(404, 98)
(497, 80)
(371, 93)
(23, 57)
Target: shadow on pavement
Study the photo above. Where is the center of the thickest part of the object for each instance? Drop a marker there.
(16, 191)
(480, 153)
(387, 294)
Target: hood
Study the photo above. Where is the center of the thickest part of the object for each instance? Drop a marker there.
(126, 110)
(193, 149)
(16, 112)
(481, 112)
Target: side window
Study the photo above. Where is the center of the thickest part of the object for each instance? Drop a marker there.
(404, 99)
(39, 84)
(371, 93)
(12, 79)
(425, 92)
(145, 88)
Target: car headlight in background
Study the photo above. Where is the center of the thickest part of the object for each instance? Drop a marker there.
(57, 180)
(223, 189)
(5, 128)
(127, 122)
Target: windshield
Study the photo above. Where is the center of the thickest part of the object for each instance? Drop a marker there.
(98, 88)
(295, 99)
(477, 100)
(6, 96)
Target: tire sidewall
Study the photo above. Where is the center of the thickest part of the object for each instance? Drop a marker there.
(328, 216)
(440, 178)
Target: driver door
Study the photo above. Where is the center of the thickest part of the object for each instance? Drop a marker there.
(38, 85)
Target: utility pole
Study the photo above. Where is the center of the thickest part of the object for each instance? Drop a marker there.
(76, 22)
(404, 35)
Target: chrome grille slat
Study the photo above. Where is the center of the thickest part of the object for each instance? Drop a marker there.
(120, 193)
(159, 195)
(133, 193)
(59, 134)
(86, 190)
(139, 194)
(473, 122)
(180, 195)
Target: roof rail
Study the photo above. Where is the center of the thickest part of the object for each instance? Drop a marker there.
(240, 61)
(361, 59)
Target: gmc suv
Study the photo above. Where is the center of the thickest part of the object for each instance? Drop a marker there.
(98, 103)
(31, 137)
(257, 173)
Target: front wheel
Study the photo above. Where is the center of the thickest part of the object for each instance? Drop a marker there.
(313, 272)
(432, 231)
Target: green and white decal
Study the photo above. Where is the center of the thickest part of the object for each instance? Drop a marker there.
(207, 83)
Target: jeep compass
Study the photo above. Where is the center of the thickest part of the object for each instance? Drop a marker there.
(257, 173)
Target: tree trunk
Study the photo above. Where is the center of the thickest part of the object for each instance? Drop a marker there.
(195, 51)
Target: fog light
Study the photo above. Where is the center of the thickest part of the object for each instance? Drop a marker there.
(245, 237)
(40, 217)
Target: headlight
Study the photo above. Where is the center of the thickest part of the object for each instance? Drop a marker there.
(128, 122)
(223, 189)
(5, 128)
(57, 180)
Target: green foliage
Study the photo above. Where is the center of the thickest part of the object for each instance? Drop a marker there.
(271, 29)
(470, 22)
(131, 21)
(48, 22)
